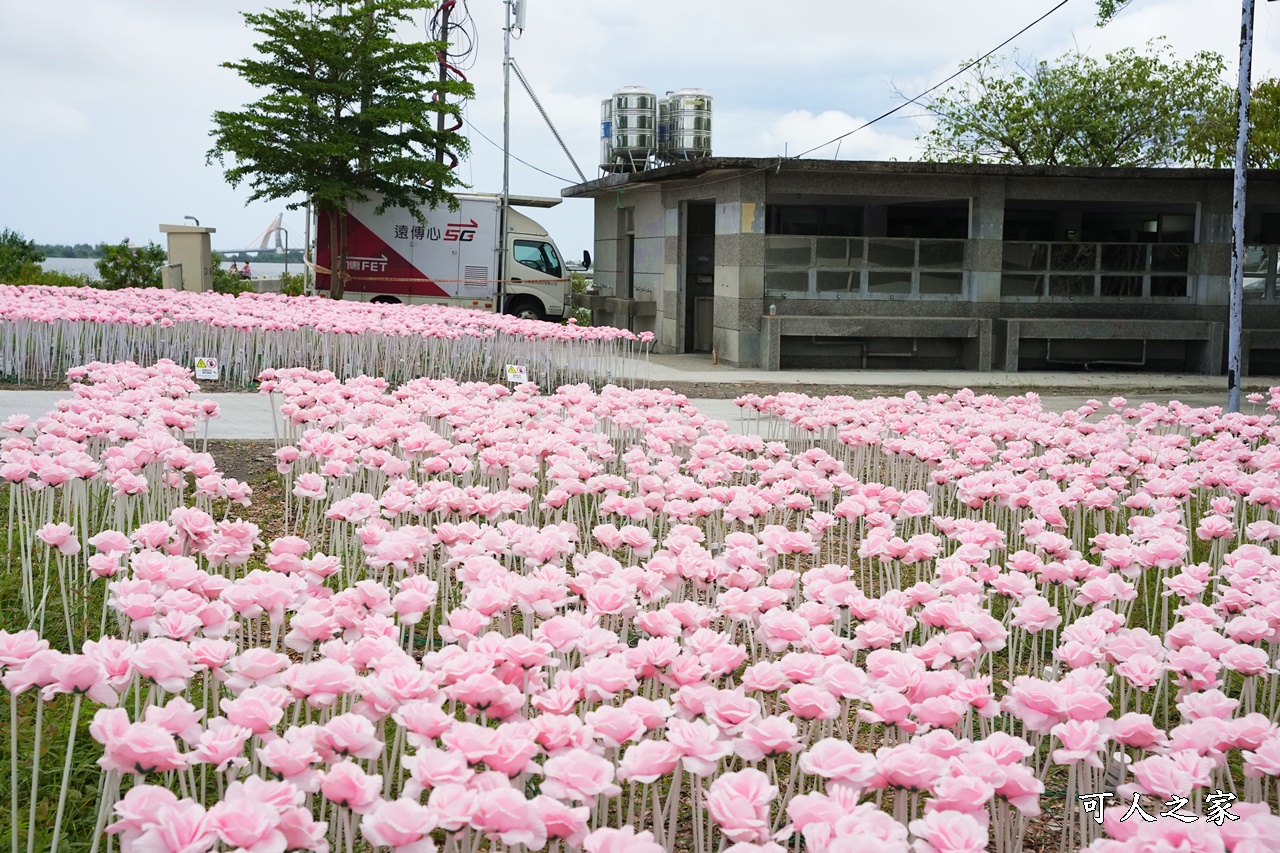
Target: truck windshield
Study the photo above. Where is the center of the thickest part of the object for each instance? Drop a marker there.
(537, 255)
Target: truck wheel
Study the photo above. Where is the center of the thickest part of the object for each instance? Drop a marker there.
(526, 309)
(385, 300)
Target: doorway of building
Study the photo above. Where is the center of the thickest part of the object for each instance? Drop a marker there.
(699, 276)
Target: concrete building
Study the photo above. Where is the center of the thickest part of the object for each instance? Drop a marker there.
(781, 263)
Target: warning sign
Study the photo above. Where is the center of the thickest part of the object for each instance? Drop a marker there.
(517, 374)
(207, 368)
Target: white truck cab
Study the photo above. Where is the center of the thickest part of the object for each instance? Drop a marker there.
(537, 285)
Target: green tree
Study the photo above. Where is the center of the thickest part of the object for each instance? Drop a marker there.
(15, 252)
(124, 266)
(1108, 9)
(1127, 109)
(347, 111)
(62, 250)
(1213, 140)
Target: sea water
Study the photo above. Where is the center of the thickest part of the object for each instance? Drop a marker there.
(86, 266)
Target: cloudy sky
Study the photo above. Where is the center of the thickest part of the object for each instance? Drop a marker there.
(104, 111)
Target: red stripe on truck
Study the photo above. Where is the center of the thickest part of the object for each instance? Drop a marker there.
(374, 266)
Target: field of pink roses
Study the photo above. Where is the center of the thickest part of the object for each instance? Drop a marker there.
(45, 331)
(504, 618)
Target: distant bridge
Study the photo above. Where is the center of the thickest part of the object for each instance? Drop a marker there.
(259, 243)
(280, 251)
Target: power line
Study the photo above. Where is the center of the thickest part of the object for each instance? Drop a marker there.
(936, 86)
(566, 181)
(904, 104)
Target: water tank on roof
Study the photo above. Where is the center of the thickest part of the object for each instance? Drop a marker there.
(685, 125)
(634, 128)
(664, 124)
(606, 135)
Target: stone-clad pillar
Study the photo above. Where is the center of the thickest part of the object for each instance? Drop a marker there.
(739, 287)
(985, 254)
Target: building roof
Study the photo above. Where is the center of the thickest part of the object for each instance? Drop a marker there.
(692, 169)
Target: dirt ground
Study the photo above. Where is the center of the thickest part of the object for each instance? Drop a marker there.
(253, 462)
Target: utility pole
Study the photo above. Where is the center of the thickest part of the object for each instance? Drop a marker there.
(443, 56)
(1236, 308)
(506, 157)
(308, 286)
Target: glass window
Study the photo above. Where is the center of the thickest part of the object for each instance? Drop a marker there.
(1021, 285)
(1127, 286)
(839, 281)
(1169, 286)
(785, 282)
(942, 254)
(889, 282)
(1072, 257)
(1258, 260)
(1071, 285)
(891, 253)
(1171, 258)
(1020, 257)
(788, 252)
(1124, 257)
(839, 252)
(537, 255)
(941, 283)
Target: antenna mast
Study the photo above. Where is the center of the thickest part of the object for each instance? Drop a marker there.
(506, 150)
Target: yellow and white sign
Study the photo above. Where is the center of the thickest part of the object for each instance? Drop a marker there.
(207, 368)
(517, 374)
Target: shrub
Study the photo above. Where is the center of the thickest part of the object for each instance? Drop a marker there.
(578, 284)
(124, 266)
(15, 253)
(292, 283)
(32, 273)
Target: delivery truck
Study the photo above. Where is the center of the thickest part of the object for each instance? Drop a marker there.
(452, 258)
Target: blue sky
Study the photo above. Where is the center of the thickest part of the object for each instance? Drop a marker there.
(104, 118)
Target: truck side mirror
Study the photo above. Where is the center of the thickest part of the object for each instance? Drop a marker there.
(586, 259)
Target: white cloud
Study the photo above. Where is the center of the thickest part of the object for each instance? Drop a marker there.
(38, 118)
(800, 132)
(107, 102)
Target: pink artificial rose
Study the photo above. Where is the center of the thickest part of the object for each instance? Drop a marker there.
(948, 832)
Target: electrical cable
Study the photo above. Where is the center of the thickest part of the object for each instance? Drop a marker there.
(936, 86)
(467, 59)
(904, 104)
(566, 181)
(471, 167)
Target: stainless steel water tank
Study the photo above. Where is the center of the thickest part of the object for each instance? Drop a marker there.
(664, 124)
(688, 115)
(606, 135)
(635, 120)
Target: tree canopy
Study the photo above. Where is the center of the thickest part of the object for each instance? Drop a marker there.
(126, 265)
(347, 112)
(1129, 108)
(1108, 9)
(15, 252)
